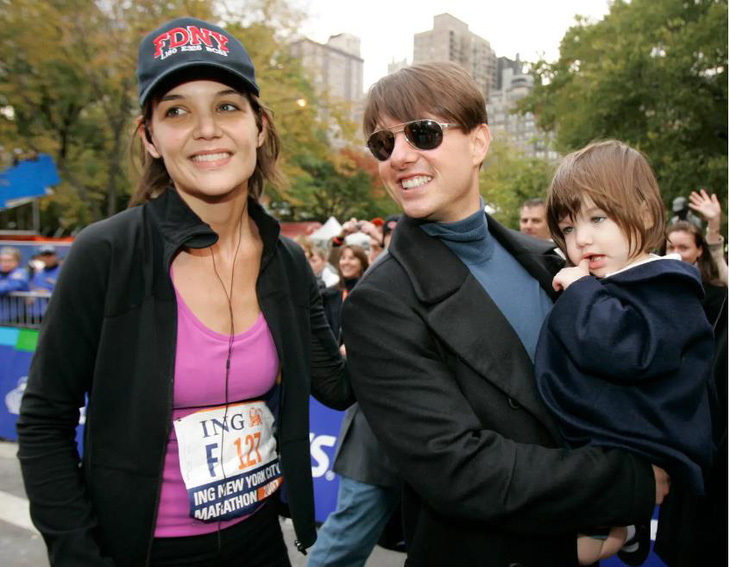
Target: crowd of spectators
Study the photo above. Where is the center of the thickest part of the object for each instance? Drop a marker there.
(25, 290)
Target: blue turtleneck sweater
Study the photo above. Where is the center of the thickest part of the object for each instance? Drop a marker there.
(517, 294)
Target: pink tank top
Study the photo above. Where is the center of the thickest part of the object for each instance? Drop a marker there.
(200, 382)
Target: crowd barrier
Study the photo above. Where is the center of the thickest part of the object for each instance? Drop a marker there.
(23, 308)
(16, 350)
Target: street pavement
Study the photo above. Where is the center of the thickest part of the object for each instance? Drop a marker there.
(22, 546)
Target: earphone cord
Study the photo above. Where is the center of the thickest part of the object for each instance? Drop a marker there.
(229, 297)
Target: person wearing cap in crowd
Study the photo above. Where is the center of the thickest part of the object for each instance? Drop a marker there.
(43, 280)
(12, 278)
(440, 338)
(196, 331)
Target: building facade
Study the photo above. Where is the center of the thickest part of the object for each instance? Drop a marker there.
(451, 40)
(335, 69)
(519, 130)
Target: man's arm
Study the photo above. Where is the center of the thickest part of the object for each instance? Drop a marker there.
(460, 468)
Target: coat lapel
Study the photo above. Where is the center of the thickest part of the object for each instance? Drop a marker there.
(463, 315)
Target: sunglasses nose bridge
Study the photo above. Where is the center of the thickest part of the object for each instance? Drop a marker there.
(403, 146)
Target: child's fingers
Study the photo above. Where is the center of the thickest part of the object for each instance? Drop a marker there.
(584, 265)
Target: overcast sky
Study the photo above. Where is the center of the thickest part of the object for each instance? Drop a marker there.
(386, 27)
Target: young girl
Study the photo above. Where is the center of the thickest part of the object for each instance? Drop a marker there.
(624, 357)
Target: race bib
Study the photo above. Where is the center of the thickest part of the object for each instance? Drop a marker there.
(228, 460)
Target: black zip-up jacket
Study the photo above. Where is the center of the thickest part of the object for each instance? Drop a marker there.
(110, 335)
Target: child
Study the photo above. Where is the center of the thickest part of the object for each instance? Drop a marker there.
(624, 357)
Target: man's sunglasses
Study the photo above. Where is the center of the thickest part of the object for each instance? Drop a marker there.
(421, 134)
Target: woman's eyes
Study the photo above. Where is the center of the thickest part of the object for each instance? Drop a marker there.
(597, 219)
(225, 107)
(228, 107)
(174, 111)
(567, 229)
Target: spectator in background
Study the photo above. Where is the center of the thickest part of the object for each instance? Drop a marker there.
(351, 265)
(389, 225)
(322, 269)
(367, 234)
(45, 279)
(681, 212)
(533, 219)
(710, 209)
(685, 238)
(12, 278)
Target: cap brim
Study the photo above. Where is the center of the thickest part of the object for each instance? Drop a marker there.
(207, 70)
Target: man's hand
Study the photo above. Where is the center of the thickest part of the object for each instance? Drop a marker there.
(662, 482)
(565, 277)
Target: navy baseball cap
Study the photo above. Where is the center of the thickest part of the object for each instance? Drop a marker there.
(188, 46)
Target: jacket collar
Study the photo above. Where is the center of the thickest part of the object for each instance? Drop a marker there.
(435, 273)
(465, 318)
(181, 227)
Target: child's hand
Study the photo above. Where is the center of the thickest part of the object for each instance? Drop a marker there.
(567, 276)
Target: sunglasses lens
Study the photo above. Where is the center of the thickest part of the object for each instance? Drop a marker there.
(424, 134)
(381, 144)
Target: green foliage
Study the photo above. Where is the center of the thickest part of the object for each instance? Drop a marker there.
(341, 189)
(509, 178)
(67, 72)
(652, 73)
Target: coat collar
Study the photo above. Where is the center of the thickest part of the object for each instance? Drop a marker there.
(463, 315)
(181, 227)
(436, 273)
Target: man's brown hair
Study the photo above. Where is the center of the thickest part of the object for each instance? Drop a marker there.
(620, 181)
(442, 90)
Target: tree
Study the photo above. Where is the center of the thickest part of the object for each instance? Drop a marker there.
(509, 178)
(652, 73)
(68, 73)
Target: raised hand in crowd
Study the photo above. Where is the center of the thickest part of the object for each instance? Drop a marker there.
(709, 207)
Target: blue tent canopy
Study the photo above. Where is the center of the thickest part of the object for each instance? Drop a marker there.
(29, 179)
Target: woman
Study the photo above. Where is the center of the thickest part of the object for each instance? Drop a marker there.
(685, 238)
(351, 265)
(193, 328)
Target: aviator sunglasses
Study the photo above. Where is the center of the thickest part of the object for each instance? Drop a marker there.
(421, 134)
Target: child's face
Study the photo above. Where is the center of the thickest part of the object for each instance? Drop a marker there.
(593, 235)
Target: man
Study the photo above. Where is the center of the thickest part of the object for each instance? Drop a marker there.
(533, 219)
(44, 280)
(440, 335)
(12, 278)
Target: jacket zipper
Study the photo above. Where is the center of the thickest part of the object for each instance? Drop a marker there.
(168, 426)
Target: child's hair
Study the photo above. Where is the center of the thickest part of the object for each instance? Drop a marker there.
(620, 181)
(441, 89)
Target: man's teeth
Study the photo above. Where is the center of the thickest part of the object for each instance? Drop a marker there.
(210, 157)
(415, 181)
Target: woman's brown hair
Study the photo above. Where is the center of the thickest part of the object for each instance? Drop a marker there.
(705, 263)
(154, 178)
(359, 253)
(443, 90)
(620, 181)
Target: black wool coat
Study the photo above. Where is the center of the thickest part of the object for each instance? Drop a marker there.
(449, 392)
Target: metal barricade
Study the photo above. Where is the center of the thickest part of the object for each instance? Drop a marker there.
(23, 308)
